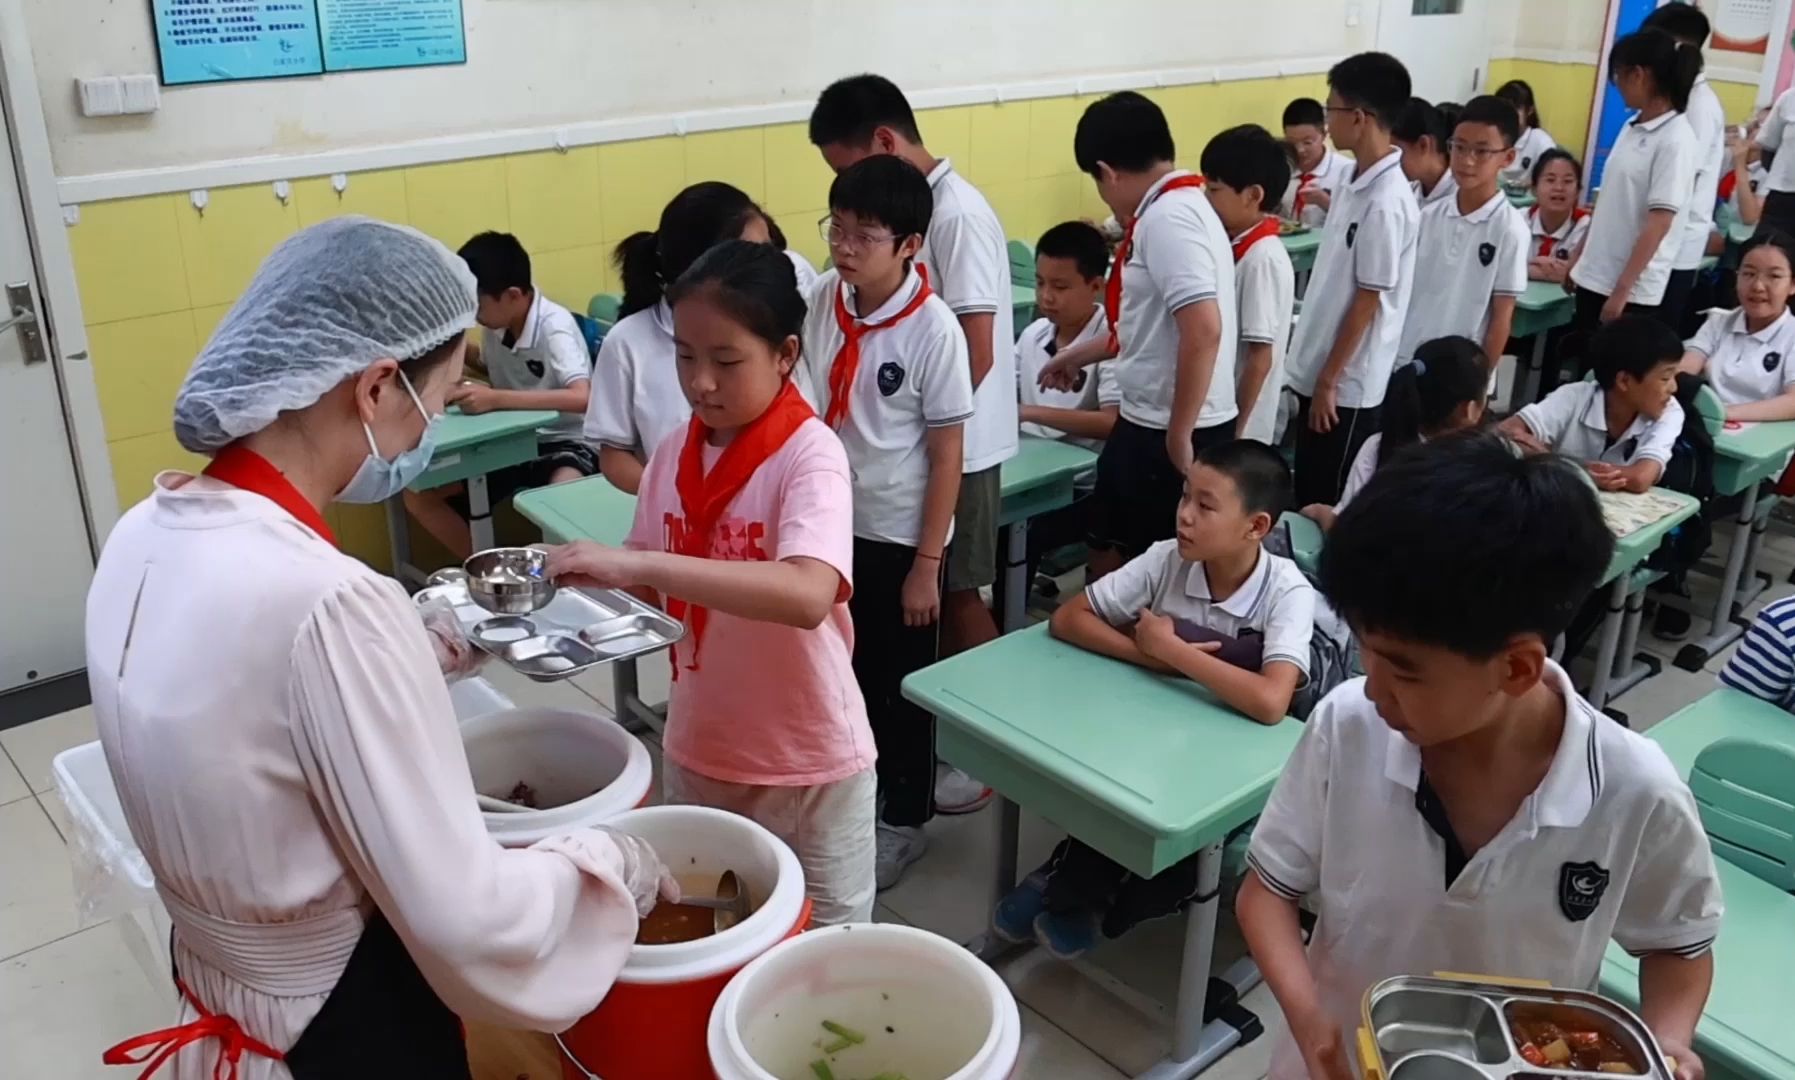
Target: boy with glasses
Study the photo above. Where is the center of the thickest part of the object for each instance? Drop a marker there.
(1473, 247)
(1315, 170)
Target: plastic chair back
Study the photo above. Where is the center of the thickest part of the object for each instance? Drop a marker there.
(1745, 791)
(592, 330)
(1022, 263)
(603, 308)
(1707, 402)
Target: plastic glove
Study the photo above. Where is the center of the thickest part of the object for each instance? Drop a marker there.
(643, 873)
(455, 654)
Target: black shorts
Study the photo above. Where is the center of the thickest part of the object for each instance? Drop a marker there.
(1135, 502)
(552, 454)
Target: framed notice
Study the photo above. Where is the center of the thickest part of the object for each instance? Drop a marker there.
(1740, 25)
(202, 41)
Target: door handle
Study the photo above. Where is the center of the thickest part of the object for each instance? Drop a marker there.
(24, 319)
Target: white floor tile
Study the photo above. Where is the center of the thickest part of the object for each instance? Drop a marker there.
(1048, 1051)
(32, 746)
(71, 999)
(58, 811)
(12, 785)
(37, 897)
(945, 891)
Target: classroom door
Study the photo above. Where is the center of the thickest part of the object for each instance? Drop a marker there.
(44, 545)
(1444, 43)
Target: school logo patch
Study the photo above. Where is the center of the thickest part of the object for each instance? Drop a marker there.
(891, 377)
(535, 367)
(1771, 360)
(1526, 163)
(1580, 889)
(1351, 231)
(1486, 253)
(1630, 447)
(1564, 253)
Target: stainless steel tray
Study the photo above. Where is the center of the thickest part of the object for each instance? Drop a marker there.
(1463, 1029)
(578, 630)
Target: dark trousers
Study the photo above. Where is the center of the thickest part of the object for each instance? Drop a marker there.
(1323, 460)
(1588, 314)
(1081, 879)
(885, 650)
(1056, 529)
(1779, 212)
(1676, 298)
(1135, 503)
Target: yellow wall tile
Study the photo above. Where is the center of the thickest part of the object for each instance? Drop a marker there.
(571, 276)
(948, 132)
(206, 320)
(554, 199)
(128, 258)
(797, 177)
(224, 246)
(1738, 99)
(1056, 199)
(361, 532)
(735, 157)
(999, 151)
(1014, 210)
(136, 461)
(1051, 125)
(803, 236)
(378, 194)
(637, 179)
(457, 199)
(138, 365)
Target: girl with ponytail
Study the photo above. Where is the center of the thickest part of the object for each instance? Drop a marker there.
(1421, 133)
(1440, 393)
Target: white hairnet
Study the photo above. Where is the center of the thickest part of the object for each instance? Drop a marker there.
(328, 303)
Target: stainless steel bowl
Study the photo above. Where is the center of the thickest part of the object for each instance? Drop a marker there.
(509, 581)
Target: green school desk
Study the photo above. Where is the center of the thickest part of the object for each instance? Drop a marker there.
(1521, 200)
(1038, 480)
(1145, 768)
(1746, 459)
(1302, 248)
(1724, 714)
(468, 450)
(1544, 306)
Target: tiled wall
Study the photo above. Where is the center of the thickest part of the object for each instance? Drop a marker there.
(156, 275)
(1565, 92)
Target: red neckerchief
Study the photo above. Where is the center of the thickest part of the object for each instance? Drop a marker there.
(243, 468)
(1112, 291)
(1547, 243)
(1267, 227)
(847, 358)
(1296, 205)
(704, 496)
(159, 1046)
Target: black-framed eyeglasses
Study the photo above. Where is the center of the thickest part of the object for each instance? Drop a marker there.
(1467, 150)
(837, 237)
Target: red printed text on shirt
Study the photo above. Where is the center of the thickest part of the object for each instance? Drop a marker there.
(735, 539)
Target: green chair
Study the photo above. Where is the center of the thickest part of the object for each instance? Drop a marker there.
(1745, 791)
(603, 307)
(1022, 264)
(1707, 402)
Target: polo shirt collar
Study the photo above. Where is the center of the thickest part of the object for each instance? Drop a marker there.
(940, 172)
(1482, 213)
(1564, 230)
(1764, 336)
(1595, 417)
(1241, 604)
(1655, 123)
(663, 317)
(1158, 186)
(527, 339)
(1322, 167)
(1378, 168)
(889, 309)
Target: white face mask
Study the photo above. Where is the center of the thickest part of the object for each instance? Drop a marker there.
(379, 479)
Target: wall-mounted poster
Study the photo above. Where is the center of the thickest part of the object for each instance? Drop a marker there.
(223, 40)
(1740, 25)
(220, 40)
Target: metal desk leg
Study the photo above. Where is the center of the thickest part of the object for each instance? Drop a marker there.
(1197, 1045)
(1631, 667)
(1007, 833)
(1013, 601)
(1752, 583)
(1610, 640)
(1723, 629)
(632, 712)
(479, 513)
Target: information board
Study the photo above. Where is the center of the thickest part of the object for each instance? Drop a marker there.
(223, 40)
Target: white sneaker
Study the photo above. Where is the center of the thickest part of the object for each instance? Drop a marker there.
(899, 846)
(956, 792)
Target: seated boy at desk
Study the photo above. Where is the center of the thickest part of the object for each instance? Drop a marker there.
(1462, 808)
(1624, 425)
(1764, 664)
(535, 358)
(1211, 605)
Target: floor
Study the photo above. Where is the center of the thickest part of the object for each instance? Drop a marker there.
(70, 990)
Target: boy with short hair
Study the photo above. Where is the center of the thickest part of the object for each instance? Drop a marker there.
(1622, 427)
(1462, 808)
(1244, 167)
(1170, 305)
(884, 362)
(535, 358)
(1358, 293)
(966, 256)
(1473, 246)
(1211, 605)
(1071, 260)
(1316, 171)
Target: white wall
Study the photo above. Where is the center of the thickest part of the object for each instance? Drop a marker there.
(539, 63)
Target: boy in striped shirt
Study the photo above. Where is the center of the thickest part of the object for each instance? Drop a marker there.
(1764, 665)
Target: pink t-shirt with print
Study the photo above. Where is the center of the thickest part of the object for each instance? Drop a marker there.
(769, 704)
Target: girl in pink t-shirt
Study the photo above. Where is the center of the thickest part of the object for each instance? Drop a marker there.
(745, 526)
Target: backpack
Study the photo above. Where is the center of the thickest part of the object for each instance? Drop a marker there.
(1691, 471)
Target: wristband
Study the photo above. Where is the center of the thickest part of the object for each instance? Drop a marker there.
(936, 558)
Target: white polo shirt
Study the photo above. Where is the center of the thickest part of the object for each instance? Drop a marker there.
(1275, 600)
(1465, 260)
(912, 377)
(1608, 847)
(1181, 256)
(1707, 122)
(1265, 291)
(969, 268)
(1532, 143)
(805, 272)
(1742, 366)
(1364, 466)
(550, 354)
(1652, 167)
(1772, 133)
(1564, 239)
(636, 396)
(1368, 243)
(1573, 421)
(1445, 186)
(1096, 384)
(1333, 171)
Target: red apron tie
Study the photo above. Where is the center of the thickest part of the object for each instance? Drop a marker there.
(158, 1046)
(1112, 291)
(847, 358)
(1265, 230)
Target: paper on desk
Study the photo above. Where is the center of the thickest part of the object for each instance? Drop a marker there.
(1626, 512)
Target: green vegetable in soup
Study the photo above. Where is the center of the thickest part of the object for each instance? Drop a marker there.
(848, 1033)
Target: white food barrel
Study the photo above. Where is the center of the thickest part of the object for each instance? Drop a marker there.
(583, 768)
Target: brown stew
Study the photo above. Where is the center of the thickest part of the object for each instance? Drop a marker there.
(670, 924)
(1547, 1044)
